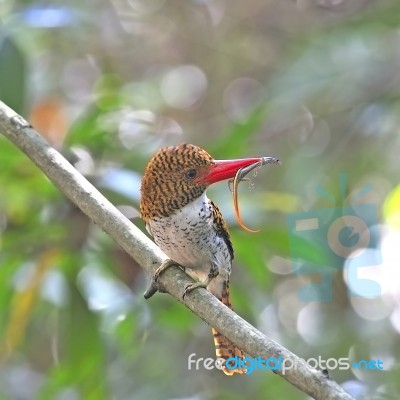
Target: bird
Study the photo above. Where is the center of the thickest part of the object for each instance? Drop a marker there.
(189, 227)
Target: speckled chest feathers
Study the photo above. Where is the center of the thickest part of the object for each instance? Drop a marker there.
(184, 223)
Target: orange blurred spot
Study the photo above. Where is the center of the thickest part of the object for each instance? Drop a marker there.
(48, 118)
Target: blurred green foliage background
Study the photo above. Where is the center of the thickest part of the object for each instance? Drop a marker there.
(313, 82)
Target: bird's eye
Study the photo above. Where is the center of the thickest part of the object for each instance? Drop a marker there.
(191, 174)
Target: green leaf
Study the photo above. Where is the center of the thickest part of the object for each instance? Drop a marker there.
(82, 367)
(12, 74)
(239, 135)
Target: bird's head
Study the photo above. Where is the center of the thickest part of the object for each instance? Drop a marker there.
(177, 175)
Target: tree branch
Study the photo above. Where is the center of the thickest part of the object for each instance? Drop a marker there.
(149, 256)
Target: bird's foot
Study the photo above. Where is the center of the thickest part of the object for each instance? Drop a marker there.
(155, 286)
(193, 286)
(203, 284)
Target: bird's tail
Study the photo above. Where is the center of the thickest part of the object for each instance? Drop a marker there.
(224, 348)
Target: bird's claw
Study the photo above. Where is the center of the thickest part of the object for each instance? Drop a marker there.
(155, 286)
(189, 288)
(202, 284)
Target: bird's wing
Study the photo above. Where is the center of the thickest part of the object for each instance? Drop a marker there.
(221, 228)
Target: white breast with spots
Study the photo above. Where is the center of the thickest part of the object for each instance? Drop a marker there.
(190, 238)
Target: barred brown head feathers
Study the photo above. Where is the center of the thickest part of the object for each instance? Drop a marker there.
(172, 179)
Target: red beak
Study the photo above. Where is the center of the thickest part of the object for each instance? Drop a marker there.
(225, 169)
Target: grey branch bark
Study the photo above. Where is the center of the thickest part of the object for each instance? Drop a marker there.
(149, 256)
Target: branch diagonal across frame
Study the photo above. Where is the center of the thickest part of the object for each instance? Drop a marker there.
(100, 211)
